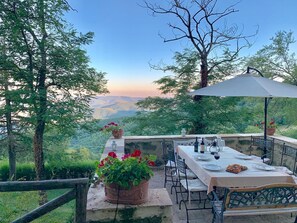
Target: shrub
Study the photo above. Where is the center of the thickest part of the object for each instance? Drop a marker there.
(25, 171)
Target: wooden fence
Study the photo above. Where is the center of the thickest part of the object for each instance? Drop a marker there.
(79, 192)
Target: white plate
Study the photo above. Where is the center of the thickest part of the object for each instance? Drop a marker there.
(212, 167)
(244, 157)
(202, 157)
(264, 167)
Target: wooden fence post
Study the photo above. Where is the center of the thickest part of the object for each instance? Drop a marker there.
(81, 203)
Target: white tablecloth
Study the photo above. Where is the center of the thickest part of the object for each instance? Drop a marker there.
(251, 177)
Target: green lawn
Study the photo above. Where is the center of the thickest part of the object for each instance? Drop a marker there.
(15, 204)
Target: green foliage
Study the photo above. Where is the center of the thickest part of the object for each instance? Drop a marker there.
(276, 59)
(158, 122)
(131, 170)
(253, 129)
(4, 171)
(182, 78)
(25, 171)
(89, 136)
(285, 109)
(71, 170)
(208, 115)
(289, 132)
(45, 56)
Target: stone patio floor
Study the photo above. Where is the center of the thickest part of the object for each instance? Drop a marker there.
(205, 216)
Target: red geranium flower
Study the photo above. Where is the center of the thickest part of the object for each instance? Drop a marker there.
(112, 154)
(110, 127)
(126, 156)
(101, 164)
(151, 163)
(136, 153)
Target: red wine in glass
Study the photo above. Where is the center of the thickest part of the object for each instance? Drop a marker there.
(217, 156)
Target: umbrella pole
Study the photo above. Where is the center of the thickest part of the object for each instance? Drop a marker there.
(265, 116)
(265, 130)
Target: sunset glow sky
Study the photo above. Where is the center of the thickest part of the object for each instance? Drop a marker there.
(127, 41)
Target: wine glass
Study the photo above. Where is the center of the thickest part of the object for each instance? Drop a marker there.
(216, 155)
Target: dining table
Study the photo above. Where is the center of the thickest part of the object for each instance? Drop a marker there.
(213, 172)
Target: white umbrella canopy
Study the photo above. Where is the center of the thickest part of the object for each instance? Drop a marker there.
(249, 85)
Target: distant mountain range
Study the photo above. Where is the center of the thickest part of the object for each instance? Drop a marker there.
(107, 107)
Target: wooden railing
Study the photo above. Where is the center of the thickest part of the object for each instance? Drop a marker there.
(79, 192)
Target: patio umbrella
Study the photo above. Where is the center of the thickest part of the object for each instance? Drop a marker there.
(250, 85)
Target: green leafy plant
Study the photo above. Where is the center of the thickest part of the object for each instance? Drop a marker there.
(67, 170)
(128, 171)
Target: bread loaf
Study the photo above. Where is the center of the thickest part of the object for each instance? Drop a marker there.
(235, 168)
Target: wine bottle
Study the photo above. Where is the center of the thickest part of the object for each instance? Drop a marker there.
(196, 144)
(202, 146)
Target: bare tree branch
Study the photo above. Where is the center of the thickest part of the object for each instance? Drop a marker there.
(201, 23)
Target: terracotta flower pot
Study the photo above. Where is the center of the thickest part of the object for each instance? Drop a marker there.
(117, 134)
(135, 195)
(270, 131)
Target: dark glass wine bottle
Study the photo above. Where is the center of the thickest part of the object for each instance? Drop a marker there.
(202, 146)
(196, 144)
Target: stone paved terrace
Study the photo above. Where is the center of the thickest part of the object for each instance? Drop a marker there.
(203, 216)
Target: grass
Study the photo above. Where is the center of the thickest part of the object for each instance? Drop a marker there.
(15, 204)
(288, 131)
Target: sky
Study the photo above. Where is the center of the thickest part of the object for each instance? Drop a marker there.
(127, 37)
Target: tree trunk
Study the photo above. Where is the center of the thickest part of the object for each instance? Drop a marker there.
(204, 73)
(199, 127)
(38, 158)
(11, 158)
(41, 104)
(11, 143)
(39, 131)
(38, 150)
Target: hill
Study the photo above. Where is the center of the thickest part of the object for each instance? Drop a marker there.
(106, 107)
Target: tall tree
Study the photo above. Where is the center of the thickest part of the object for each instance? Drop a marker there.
(202, 24)
(7, 126)
(49, 61)
(276, 60)
(10, 129)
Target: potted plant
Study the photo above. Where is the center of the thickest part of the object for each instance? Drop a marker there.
(126, 179)
(271, 126)
(116, 130)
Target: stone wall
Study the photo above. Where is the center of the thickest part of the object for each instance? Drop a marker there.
(240, 142)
